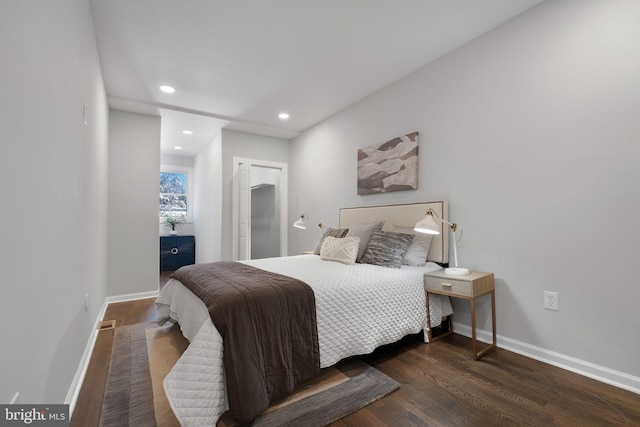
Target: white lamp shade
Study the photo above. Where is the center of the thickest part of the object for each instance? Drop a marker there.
(300, 224)
(427, 225)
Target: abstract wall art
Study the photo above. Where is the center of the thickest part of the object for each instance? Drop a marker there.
(392, 166)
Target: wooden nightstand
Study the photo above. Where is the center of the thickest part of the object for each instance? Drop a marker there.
(469, 286)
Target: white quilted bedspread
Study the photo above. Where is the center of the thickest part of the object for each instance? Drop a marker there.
(359, 308)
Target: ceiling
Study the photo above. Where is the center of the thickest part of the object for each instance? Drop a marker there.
(238, 64)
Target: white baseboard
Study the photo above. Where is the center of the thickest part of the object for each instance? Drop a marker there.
(74, 390)
(582, 367)
(76, 384)
(131, 297)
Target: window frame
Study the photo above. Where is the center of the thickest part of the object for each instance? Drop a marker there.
(189, 172)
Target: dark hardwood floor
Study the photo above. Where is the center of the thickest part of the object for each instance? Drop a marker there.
(89, 404)
(441, 385)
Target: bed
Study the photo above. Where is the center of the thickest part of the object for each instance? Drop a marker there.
(358, 307)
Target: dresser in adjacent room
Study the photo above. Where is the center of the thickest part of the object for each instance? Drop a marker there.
(177, 251)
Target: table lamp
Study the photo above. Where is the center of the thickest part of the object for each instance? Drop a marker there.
(428, 226)
(302, 223)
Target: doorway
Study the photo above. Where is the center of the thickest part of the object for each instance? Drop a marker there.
(259, 209)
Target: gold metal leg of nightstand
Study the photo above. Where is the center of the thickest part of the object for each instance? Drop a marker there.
(445, 334)
(478, 355)
(430, 336)
(429, 333)
(473, 329)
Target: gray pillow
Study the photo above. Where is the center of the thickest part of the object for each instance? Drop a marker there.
(364, 232)
(419, 249)
(387, 249)
(333, 232)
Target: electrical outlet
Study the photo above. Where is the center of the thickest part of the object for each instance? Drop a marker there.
(551, 300)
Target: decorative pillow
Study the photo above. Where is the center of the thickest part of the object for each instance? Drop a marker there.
(364, 232)
(419, 248)
(344, 250)
(387, 249)
(333, 232)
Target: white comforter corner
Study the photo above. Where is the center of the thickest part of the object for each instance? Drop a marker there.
(358, 308)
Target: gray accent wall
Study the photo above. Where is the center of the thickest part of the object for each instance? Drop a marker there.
(531, 133)
(53, 170)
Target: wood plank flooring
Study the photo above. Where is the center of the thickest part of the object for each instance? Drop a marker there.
(89, 404)
(441, 385)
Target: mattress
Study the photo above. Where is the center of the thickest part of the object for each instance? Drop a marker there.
(359, 308)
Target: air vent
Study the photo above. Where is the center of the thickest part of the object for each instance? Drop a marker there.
(107, 324)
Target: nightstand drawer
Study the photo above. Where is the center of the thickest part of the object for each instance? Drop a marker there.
(447, 285)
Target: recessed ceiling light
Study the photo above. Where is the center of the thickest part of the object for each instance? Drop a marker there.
(283, 116)
(187, 132)
(167, 89)
(177, 148)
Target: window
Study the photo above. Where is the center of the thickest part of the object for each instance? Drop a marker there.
(175, 200)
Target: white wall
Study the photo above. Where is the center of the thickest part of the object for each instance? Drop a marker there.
(176, 160)
(250, 146)
(134, 171)
(53, 175)
(207, 223)
(531, 133)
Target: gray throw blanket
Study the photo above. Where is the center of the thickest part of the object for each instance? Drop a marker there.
(268, 325)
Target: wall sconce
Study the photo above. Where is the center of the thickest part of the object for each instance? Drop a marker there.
(304, 220)
(428, 226)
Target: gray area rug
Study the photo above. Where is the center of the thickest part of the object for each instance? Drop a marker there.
(330, 405)
(128, 397)
(129, 393)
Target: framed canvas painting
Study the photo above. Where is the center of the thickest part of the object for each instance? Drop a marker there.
(392, 166)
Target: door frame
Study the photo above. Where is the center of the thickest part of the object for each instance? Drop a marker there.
(284, 203)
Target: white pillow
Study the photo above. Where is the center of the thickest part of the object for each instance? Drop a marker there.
(344, 249)
(419, 249)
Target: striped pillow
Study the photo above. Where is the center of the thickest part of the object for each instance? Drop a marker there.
(386, 249)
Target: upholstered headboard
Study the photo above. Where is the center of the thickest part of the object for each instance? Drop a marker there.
(406, 215)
